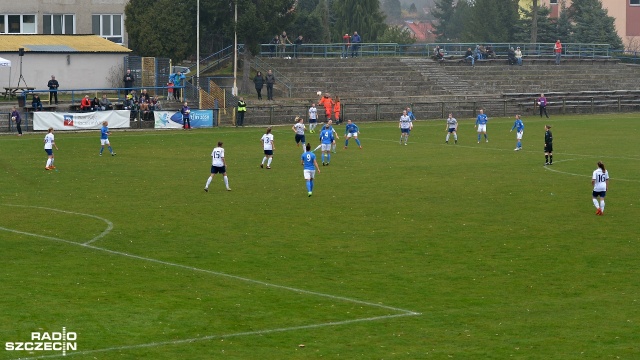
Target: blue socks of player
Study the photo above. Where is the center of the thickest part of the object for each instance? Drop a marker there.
(519, 145)
(309, 186)
(358, 142)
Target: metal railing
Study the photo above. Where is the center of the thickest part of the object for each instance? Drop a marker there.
(578, 50)
(263, 67)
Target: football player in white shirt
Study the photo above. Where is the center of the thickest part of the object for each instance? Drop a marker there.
(49, 144)
(267, 143)
(405, 127)
(313, 118)
(218, 166)
(299, 129)
(600, 182)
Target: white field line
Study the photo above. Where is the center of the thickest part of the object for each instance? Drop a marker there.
(224, 336)
(583, 175)
(100, 236)
(403, 312)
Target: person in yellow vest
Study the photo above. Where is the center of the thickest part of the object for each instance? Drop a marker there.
(242, 108)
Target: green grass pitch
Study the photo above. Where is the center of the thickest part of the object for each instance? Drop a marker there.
(425, 251)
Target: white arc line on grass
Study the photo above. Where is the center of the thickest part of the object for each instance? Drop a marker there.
(87, 245)
(100, 236)
(224, 336)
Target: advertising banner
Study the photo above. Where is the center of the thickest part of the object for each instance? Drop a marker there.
(43, 120)
(173, 119)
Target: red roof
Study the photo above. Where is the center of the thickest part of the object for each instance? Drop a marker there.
(422, 31)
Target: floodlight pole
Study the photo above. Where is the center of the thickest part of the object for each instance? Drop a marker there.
(234, 91)
(198, 51)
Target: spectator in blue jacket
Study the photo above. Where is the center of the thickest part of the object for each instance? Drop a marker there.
(355, 44)
(178, 84)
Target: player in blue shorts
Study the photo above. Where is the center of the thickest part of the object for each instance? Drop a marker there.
(326, 139)
(519, 126)
(104, 138)
(309, 163)
(481, 124)
(351, 131)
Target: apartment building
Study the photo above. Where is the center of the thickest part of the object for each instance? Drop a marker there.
(104, 18)
(625, 12)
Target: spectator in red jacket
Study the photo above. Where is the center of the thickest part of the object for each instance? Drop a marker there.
(85, 104)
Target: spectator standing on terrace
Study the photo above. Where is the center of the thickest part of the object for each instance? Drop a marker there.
(129, 79)
(271, 80)
(557, 49)
(355, 40)
(170, 90)
(469, 55)
(36, 103)
(297, 43)
(542, 104)
(53, 86)
(519, 56)
(258, 81)
(274, 46)
(284, 39)
(178, 84)
(346, 42)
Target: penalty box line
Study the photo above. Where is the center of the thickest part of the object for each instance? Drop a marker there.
(225, 336)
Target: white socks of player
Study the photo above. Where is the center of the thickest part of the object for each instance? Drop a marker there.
(264, 159)
(226, 182)
(598, 205)
(48, 163)
(269, 162)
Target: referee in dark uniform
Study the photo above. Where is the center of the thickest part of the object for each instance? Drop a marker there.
(548, 145)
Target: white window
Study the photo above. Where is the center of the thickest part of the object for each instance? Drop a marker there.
(634, 2)
(109, 26)
(58, 24)
(553, 2)
(17, 24)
